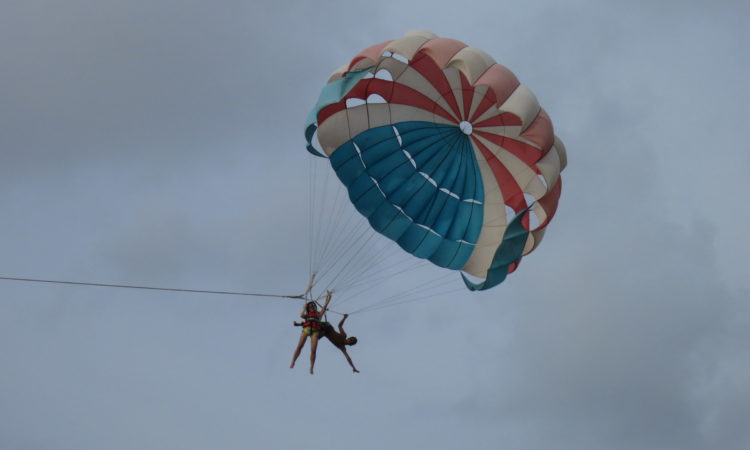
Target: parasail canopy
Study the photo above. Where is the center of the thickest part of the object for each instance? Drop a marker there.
(444, 151)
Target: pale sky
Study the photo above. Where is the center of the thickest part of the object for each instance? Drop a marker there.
(161, 143)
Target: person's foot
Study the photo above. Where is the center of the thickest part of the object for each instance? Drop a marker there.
(291, 366)
(311, 370)
(355, 370)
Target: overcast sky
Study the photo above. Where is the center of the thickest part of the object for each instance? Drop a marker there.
(160, 143)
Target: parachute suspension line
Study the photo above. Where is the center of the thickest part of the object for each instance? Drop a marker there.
(150, 288)
(376, 267)
(349, 261)
(365, 283)
(416, 293)
(364, 286)
(358, 267)
(424, 182)
(402, 258)
(375, 260)
(401, 302)
(331, 255)
(321, 210)
(311, 208)
(335, 258)
(348, 272)
(434, 284)
(362, 268)
(341, 235)
(339, 212)
(417, 288)
(332, 228)
(348, 239)
(310, 225)
(353, 276)
(337, 239)
(317, 201)
(355, 236)
(336, 264)
(322, 215)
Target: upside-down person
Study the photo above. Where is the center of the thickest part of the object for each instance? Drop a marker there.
(340, 339)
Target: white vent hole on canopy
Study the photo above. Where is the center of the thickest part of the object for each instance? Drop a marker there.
(354, 102)
(401, 58)
(384, 74)
(375, 98)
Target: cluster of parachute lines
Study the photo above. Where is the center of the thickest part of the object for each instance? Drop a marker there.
(365, 270)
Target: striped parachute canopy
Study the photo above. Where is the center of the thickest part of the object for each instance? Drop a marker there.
(443, 151)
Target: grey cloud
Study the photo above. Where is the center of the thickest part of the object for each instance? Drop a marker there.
(160, 143)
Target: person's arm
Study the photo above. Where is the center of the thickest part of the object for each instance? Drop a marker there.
(341, 325)
(325, 305)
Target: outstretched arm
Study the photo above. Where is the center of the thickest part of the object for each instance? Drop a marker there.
(348, 359)
(328, 300)
(341, 325)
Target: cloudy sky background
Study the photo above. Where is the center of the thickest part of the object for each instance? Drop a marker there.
(160, 143)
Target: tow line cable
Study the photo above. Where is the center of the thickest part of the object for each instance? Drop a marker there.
(155, 288)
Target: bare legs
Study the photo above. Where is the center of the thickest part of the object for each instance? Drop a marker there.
(313, 349)
(300, 344)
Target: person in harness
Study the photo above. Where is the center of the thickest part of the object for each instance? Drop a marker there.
(340, 339)
(312, 327)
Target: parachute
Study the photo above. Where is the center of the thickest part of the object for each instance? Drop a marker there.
(443, 151)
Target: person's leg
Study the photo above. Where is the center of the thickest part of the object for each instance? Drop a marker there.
(300, 344)
(313, 350)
